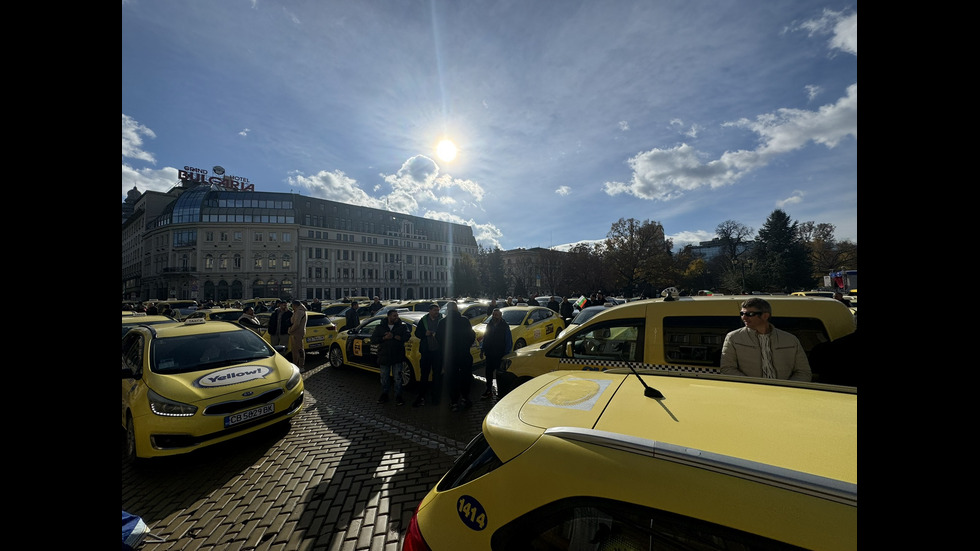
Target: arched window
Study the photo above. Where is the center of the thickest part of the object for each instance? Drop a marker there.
(222, 261)
(209, 265)
(286, 261)
(237, 261)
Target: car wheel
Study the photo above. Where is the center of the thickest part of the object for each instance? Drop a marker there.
(408, 376)
(521, 343)
(130, 444)
(336, 356)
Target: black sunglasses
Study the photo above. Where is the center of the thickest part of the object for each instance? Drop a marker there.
(749, 314)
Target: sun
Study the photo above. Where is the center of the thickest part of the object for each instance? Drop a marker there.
(446, 150)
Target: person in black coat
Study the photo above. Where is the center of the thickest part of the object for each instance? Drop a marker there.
(497, 341)
(351, 318)
(456, 336)
(431, 360)
(279, 323)
(390, 336)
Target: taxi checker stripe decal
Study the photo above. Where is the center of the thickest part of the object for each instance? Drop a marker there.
(610, 364)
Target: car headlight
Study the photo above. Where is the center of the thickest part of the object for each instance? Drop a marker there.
(294, 379)
(169, 408)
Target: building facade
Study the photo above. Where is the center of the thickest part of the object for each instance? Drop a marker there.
(217, 239)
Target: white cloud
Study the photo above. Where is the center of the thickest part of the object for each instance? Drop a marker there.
(563, 191)
(624, 126)
(794, 199)
(665, 174)
(335, 186)
(132, 140)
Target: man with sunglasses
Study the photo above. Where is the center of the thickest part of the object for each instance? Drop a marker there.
(761, 350)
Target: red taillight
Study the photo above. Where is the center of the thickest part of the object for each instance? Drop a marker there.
(413, 538)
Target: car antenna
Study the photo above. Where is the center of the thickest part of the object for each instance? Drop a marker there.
(648, 391)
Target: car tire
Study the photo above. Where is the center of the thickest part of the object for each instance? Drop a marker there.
(521, 343)
(336, 356)
(408, 376)
(129, 444)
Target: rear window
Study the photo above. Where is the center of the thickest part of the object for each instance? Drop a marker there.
(599, 523)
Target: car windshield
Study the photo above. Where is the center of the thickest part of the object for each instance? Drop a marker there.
(226, 316)
(586, 315)
(317, 321)
(206, 351)
(513, 317)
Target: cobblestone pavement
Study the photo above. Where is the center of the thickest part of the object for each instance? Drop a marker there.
(347, 475)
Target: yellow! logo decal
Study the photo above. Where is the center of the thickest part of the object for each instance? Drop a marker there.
(357, 347)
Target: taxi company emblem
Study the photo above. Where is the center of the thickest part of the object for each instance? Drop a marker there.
(233, 375)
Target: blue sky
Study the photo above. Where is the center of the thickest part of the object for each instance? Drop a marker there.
(568, 115)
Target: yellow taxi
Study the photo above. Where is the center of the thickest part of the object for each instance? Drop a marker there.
(683, 334)
(528, 324)
(475, 312)
(617, 460)
(340, 318)
(132, 319)
(354, 348)
(193, 384)
(321, 332)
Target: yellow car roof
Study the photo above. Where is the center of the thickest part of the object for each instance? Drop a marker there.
(787, 425)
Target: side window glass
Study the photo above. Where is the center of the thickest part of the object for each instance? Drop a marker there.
(616, 340)
(133, 352)
(368, 329)
(697, 340)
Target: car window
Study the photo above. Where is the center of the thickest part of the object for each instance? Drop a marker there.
(317, 321)
(226, 316)
(619, 340)
(513, 317)
(598, 523)
(205, 351)
(132, 352)
(697, 340)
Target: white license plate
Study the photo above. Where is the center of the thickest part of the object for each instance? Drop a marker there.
(315, 339)
(249, 415)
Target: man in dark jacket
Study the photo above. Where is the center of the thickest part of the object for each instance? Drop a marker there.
(553, 305)
(351, 317)
(497, 341)
(279, 323)
(390, 336)
(566, 310)
(456, 336)
(431, 360)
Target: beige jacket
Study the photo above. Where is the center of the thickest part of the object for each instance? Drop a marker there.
(298, 326)
(741, 354)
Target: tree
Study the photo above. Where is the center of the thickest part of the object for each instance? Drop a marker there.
(465, 276)
(826, 253)
(637, 252)
(782, 260)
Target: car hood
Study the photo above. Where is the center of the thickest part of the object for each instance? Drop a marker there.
(816, 434)
(235, 379)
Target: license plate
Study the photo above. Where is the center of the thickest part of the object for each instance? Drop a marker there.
(249, 415)
(315, 339)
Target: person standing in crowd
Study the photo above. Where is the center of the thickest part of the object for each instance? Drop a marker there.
(492, 304)
(351, 319)
(390, 336)
(316, 305)
(279, 324)
(431, 357)
(761, 350)
(455, 336)
(248, 319)
(566, 310)
(297, 334)
(553, 304)
(533, 301)
(497, 341)
(375, 306)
